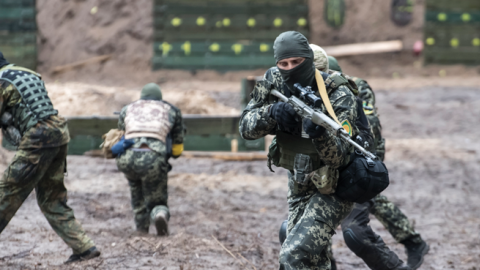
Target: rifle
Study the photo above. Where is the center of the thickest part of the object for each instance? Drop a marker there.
(305, 108)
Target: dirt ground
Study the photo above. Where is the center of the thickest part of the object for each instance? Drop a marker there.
(432, 156)
(429, 122)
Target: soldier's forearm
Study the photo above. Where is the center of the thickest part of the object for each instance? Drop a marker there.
(256, 124)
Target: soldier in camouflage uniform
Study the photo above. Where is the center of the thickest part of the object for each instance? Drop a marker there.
(314, 212)
(358, 235)
(156, 127)
(29, 122)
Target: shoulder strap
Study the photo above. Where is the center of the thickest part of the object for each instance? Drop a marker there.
(323, 94)
(13, 67)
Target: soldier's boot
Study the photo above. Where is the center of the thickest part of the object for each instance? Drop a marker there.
(91, 253)
(416, 250)
(282, 234)
(161, 223)
(333, 265)
(373, 251)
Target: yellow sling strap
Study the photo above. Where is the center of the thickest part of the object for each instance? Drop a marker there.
(323, 94)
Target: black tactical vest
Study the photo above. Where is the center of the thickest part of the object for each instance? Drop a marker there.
(35, 100)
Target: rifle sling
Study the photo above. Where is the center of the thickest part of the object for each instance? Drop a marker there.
(323, 94)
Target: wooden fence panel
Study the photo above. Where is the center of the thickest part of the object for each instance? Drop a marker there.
(452, 32)
(222, 34)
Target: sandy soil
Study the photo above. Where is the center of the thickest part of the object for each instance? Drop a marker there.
(192, 97)
(432, 156)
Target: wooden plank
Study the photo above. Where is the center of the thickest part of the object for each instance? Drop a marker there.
(17, 3)
(461, 5)
(364, 48)
(443, 17)
(17, 13)
(16, 39)
(220, 35)
(227, 2)
(200, 48)
(232, 9)
(206, 22)
(461, 55)
(229, 156)
(13, 26)
(451, 35)
(93, 60)
(196, 125)
(214, 62)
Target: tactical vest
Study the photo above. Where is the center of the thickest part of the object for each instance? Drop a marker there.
(35, 105)
(148, 118)
(291, 145)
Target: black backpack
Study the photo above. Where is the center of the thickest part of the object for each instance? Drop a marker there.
(362, 179)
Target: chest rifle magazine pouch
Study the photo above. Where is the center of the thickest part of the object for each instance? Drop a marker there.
(362, 179)
(302, 166)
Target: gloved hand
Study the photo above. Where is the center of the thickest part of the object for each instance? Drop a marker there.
(284, 114)
(313, 130)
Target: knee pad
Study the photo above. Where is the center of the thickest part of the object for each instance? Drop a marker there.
(352, 241)
(282, 234)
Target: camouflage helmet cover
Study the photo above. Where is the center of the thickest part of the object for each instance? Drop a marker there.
(320, 59)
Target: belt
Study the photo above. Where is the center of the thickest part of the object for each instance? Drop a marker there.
(141, 149)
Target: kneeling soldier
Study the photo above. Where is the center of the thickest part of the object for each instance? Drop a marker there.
(30, 123)
(155, 129)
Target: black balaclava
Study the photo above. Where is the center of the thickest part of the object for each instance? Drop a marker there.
(3, 61)
(294, 44)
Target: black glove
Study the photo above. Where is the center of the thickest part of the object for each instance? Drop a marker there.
(284, 114)
(312, 130)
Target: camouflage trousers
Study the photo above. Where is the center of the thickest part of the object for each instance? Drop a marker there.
(363, 241)
(312, 220)
(42, 169)
(146, 172)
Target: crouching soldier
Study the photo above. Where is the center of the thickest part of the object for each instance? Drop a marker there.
(29, 122)
(153, 132)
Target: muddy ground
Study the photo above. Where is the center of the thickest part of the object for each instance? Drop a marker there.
(432, 155)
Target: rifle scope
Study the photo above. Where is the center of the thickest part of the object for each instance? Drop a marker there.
(308, 96)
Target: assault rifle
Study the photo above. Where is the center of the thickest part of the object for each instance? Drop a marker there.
(306, 107)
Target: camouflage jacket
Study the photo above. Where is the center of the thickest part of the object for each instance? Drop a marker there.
(255, 121)
(52, 132)
(177, 132)
(368, 96)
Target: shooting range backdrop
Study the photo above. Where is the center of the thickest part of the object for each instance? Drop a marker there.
(222, 34)
(18, 32)
(452, 32)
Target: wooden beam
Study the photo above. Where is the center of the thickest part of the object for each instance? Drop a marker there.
(89, 61)
(233, 156)
(364, 48)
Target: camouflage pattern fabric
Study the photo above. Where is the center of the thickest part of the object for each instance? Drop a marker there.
(368, 97)
(42, 169)
(393, 219)
(146, 173)
(312, 216)
(320, 59)
(363, 241)
(256, 123)
(177, 131)
(312, 219)
(52, 132)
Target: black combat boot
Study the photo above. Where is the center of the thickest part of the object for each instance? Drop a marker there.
(416, 249)
(333, 264)
(87, 255)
